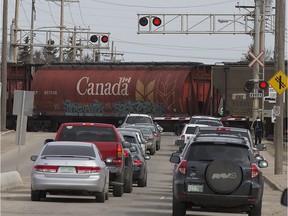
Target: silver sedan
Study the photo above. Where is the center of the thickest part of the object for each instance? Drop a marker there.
(66, 167)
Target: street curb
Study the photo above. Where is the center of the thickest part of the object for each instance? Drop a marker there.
(10, 180)
(271, 184)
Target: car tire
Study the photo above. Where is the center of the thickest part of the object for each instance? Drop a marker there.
(118, 190)
(153, 150)
(178, 208)
(35, 195)
(223, 184)
(101, 197)
(157, 146)
(142, 182)
(256, 210)
(128, 186)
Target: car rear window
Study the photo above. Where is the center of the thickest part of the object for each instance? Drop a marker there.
(209, 122)
(190, 130)
(87, 134)
(210, 152)
(63, 150)
(130, 139)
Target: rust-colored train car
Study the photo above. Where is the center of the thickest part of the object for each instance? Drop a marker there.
(106, 92)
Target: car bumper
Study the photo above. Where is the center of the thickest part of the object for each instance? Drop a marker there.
(212, 200)
(91, 183)
(138, 173)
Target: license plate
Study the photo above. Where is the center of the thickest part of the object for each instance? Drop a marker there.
(195, 188)
(67, 169)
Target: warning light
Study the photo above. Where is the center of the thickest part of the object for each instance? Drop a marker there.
(263, 85)
(157, 21)
(249, 85)
(104, 39)
(94, 38)
(143, 21)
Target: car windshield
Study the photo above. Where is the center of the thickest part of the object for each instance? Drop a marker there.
(88, 134)
(138, 119)
(68, 150)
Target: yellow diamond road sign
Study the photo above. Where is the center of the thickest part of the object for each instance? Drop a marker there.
(279, 82)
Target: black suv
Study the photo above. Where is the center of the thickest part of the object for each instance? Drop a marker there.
(217, 173)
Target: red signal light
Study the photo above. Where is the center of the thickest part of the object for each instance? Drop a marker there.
(157, 21)
(94, 38)
(104, 39)
(263, 85)
(143, 21)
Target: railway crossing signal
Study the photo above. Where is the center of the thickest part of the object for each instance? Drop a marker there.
(249, 85)
(95, 38)
(263, 85)
(156, 21)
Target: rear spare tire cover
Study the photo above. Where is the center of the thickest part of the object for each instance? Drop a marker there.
(223, 176)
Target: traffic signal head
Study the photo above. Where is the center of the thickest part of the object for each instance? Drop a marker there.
(249, 85)
(94, 38)
(143, 21)
(156, 21)
(104, 39)
(263, 85)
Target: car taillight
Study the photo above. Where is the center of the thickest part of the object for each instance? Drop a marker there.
(119, 150)
(182, 167)
(223, 129)
(88, 169)
(45, 168)
(126, 153)
(137, 162)
(155, 135)
(182, 137)
(254, 170)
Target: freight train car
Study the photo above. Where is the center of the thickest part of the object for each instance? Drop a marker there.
(107, 92)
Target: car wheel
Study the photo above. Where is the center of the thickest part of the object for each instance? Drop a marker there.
(100, 197)
(158, 146)
(256, 210)
(128, 186)
(118, 190)
(35, 195)
(153, 150)
(226, 184)
(178, 208)
(143, 182)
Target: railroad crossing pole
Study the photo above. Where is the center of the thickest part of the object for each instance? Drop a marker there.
(279, 65)
(255, 109)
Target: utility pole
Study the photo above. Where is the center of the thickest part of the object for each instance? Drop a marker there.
(32, 32)
(4, 66)
(279, 66)
(15, 48)
(61, 30)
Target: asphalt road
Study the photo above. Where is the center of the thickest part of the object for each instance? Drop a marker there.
(155, 199)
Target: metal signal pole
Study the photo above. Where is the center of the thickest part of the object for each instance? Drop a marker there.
(4, 66)
(279, 65)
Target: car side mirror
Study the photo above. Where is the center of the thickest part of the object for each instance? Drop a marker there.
(262, 164)
(175, 158)
(147, 156)
(48, 140)
(261, 147)
(33, 157)
(179, 143)
(284, 198)
(126, 144)
(133, 149)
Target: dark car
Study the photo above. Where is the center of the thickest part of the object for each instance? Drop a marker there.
(217, 173)
(156, 133)
(139, 165)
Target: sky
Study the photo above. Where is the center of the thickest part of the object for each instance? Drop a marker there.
(120, 19)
